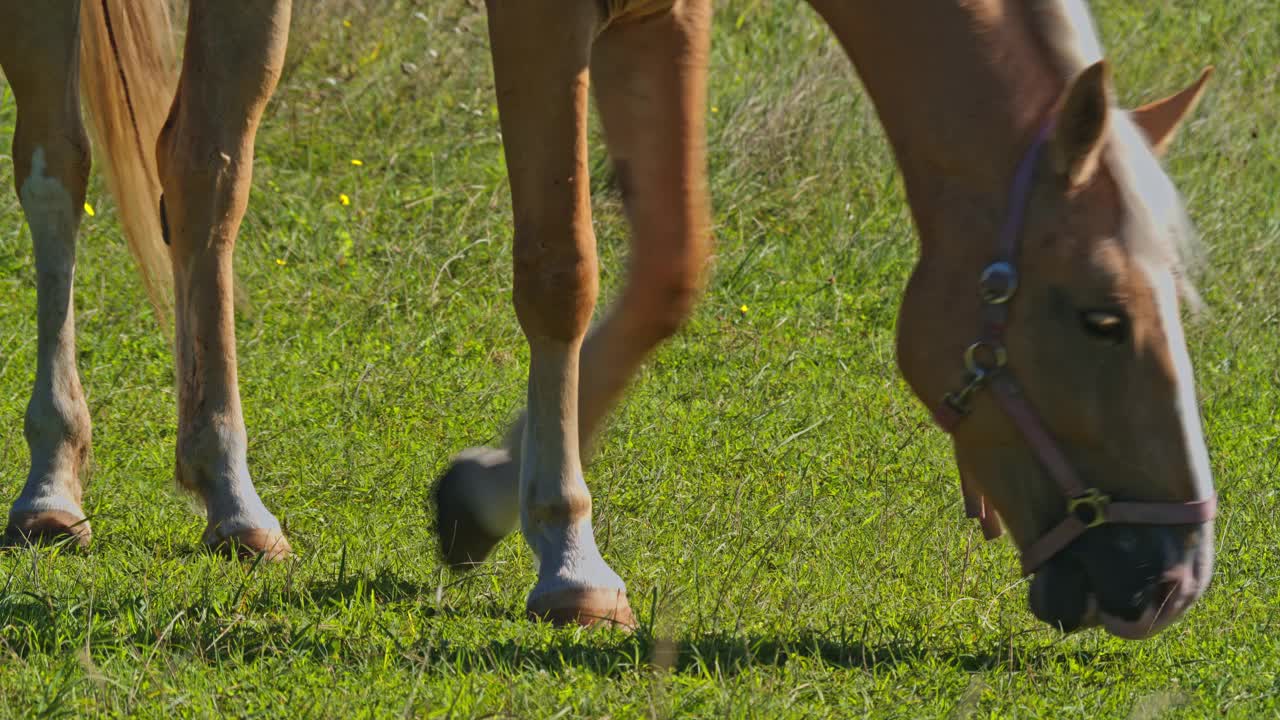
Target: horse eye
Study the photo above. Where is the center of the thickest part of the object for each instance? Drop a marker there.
(1107, 325)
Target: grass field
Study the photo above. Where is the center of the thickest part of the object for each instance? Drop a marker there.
(785, 515)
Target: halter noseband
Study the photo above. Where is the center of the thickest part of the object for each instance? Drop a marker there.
(986, 361)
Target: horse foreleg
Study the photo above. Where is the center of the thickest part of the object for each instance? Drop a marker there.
(541, 51)
(234, 54)
(39, 55)
(650, 83)
(649, 78)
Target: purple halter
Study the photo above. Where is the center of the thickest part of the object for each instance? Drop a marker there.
(986, 362)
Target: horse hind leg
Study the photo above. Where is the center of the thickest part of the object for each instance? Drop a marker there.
(39, 55)
(234, 54)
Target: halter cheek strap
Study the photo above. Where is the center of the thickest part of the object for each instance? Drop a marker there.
(986, 361)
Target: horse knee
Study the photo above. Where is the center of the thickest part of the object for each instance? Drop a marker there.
(555, 281)
(665, 298)
(195, 153)
(676, 305)
(52, 145)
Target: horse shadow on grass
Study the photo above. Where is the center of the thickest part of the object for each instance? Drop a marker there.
(248, 624)
(612, 653)
(728, 654)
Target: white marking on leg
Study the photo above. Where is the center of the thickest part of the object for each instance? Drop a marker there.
(232, 503)
(57, 419)
(565, 552)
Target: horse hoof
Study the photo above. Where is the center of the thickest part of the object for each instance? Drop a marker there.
(585, 607)
(464, 542)
(249, 544)
(47, 528)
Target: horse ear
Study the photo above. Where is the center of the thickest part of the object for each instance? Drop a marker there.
(1160, 120)
(1076, 145)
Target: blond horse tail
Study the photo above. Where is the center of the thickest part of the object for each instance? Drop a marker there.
(128, 73)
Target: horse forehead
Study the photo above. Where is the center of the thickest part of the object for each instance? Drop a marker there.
(1087, 221)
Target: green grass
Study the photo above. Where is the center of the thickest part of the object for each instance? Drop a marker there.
(786, 517)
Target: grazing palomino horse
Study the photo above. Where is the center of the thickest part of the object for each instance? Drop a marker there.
(1040, 326)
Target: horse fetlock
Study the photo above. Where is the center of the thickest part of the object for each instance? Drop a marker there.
(58, 432)
(207, 453)
(567, 509)
(48, 508)
(668, 303)
(569, 559)
(211, 463)
(58, 415)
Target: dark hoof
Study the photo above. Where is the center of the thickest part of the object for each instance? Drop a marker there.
(464, 542)
(249, 544)
(48, 528)
(588, 607)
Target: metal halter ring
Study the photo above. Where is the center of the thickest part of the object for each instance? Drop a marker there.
(1093, 504)
(973, 361)
(998, 283)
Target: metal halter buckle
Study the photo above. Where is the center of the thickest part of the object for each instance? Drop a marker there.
(998, 283)
(958, 400)
(1094, 505)
(982, 359)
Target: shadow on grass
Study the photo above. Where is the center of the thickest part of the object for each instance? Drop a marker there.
(337, 620)
(727, 655)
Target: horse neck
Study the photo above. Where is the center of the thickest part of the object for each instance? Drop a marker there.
(961, 87)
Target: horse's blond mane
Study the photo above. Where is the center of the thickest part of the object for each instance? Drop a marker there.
(1154, 215)
(1065, 30)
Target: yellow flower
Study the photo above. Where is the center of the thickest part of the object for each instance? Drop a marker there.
(281, 262)
(346, 23)
(356, 162)
(88, 209)
(342, 198)
(743, 309)
(715, 109)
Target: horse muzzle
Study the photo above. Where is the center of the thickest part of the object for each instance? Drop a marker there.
(1133, 580)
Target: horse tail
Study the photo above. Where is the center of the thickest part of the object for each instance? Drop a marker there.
(128, 72)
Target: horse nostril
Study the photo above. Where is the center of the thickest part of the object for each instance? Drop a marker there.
(1164, 591)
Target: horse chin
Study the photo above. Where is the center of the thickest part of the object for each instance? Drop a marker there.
(1151, 622)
